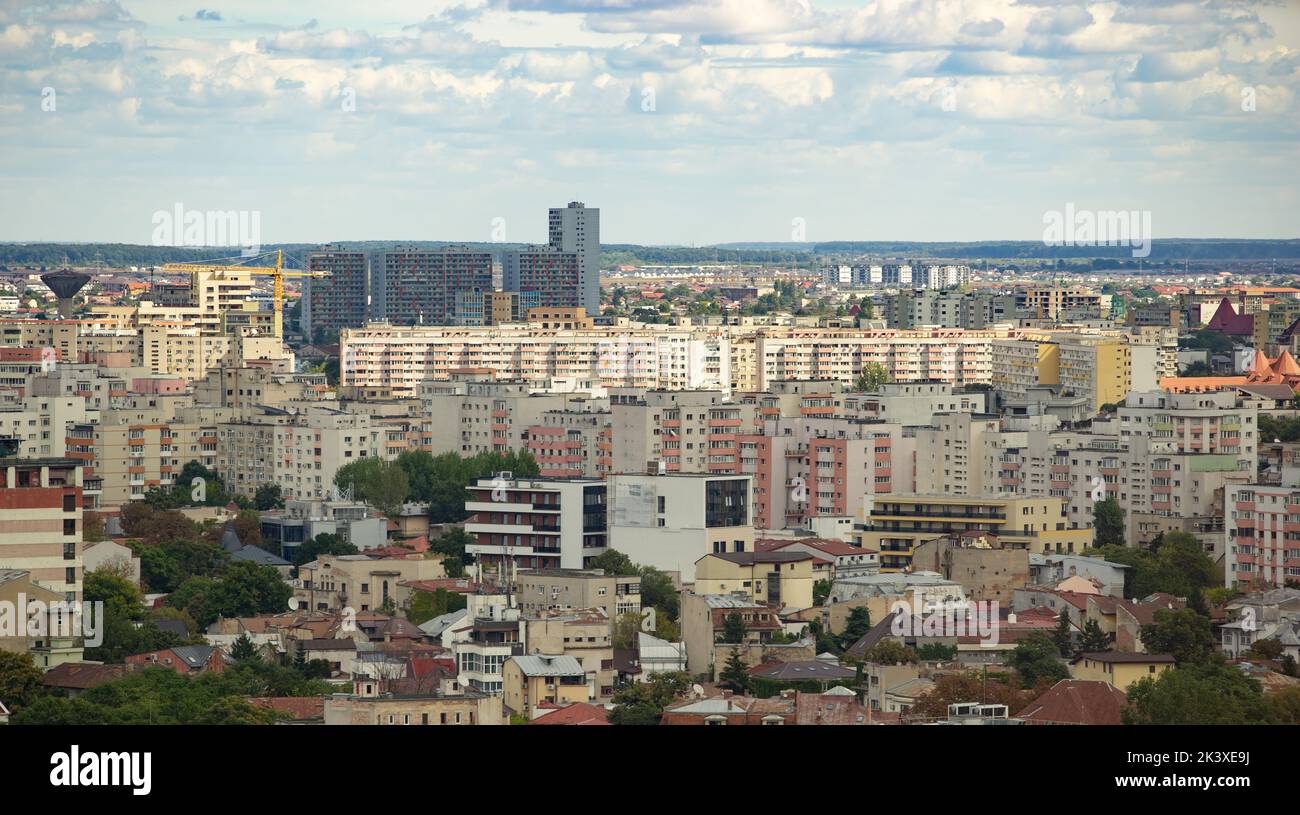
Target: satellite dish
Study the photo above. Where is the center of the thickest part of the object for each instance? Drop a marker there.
(462, 680)
(697, 690)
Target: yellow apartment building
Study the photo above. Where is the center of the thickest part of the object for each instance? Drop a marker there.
(896, 524)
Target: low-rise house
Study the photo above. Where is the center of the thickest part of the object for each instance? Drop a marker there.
(922, 591)
(1077, 701)
(58, 642)
(183, 659)
(464, 707)
(577, 713)
(1052, 569)
(115, 557)
(1073, 604)
(703, 622)
(1119, 668)
(335, 582)
(293, 709)
(835, 558)
(801, 674)
(901, 698)
(1272, 614)
(878, 679)
(527, 681)
(656, 655)
(728, 709)
(1123, 619)
(72, 679)
(258, 555)
(985, 569)
(566, 589)
(836, 706)
(341, 654)
(587, 635)
(783, 579)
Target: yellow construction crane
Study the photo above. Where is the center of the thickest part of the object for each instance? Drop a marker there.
(277, 273)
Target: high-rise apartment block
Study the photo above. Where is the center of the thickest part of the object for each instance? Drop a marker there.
(413, 286)
(576, 228)
(553, 277)
(339, 301)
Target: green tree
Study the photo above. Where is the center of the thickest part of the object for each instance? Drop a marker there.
(20, 680)
(1207, 693)
(243, 589)
(116, 593)
(889, 652)
(871, 377)
(970, 686)
(1289, 665)
(326, 543)
(1265, 649)
(139, 520)
(856, 626)
(642, 703)
(243, 649)
(92, 527)
(614, 562)
(821, 590)
(936, 651)
(1062, 636)
(1037, 660)
(152, 696)
(734, 676)
(381, 484)
(1182, 633)
(733, 628)
(267, 497)
(657, 590)
(1285, 705)
(1108, 522)
(425, 605)
(1093, 640)
(1176, 564)
(627, 628)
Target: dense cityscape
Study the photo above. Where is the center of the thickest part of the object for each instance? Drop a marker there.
(461, 485)
(873, 365)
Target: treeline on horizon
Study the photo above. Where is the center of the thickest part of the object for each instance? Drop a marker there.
(1163, 252)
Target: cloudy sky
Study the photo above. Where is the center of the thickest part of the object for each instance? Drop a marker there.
(686, 121)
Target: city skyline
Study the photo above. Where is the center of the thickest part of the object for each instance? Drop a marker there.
(690, 122)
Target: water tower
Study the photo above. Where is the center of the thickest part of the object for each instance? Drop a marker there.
(65, 284)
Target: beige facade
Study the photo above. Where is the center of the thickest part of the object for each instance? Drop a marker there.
(783, 579)
(586, 635)
(40, 522)
(530, 681)
(898, 524)
(334, 582)
(542, 590)
(463, 709)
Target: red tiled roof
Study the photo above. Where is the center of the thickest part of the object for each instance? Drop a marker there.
(1077, 701)
(579, 713)
(830, 546)
(82, 676)
(298, 707)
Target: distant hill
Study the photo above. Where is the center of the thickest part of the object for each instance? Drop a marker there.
(117, 255)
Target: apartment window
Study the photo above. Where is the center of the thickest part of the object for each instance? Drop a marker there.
(70, 574)
(70, 526)
(69, 551)
(69, 503)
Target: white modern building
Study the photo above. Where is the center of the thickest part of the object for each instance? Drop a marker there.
(670, 521)
(536, 523)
